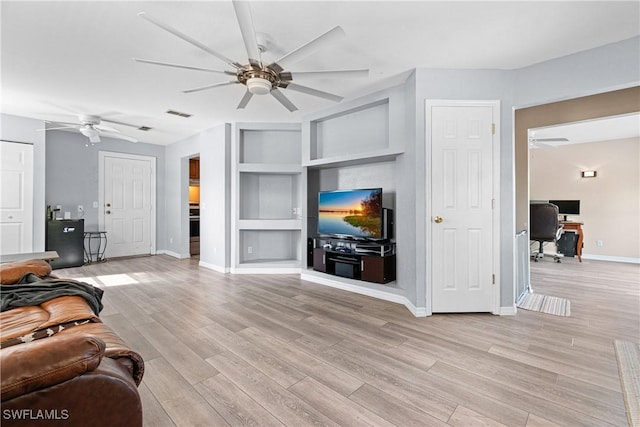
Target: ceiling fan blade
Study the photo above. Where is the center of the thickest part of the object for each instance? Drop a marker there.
(120, 123)
(188, 67)
(103, 128)
(245, 21)
(211, 86)
(277, 94)
(94, 138)
(118, 136)
(245, 100)
(331, 73)
(188, 39)
(58, 128)
(549, 140)
(314, 92)
(308, 48)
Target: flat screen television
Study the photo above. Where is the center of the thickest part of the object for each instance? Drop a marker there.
(567, 207)
(351, 213)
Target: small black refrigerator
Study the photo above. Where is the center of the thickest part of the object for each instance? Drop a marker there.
(66, 237)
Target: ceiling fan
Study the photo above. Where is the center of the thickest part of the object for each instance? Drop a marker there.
(545, 142)
(258, 77)
(92, 127)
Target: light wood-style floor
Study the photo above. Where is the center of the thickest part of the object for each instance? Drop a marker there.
(274, 350)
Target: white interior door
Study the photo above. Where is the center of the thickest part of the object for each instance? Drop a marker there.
(462, 214)
(16, 197)
(127, 203)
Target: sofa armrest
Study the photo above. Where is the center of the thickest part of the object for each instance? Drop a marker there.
(46, 362)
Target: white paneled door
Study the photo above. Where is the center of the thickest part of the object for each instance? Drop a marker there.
(462, 214)
(16, 197)
(127, 203)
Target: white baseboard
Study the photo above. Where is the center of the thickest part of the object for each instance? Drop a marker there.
(218, 268)
(508, 311)
(611, 258)
(265, 270)
(173, 254)
(386, 296)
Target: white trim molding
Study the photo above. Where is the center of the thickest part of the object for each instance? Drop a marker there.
(172, 254)
(374, 293)
(611, 258)
(218, 268)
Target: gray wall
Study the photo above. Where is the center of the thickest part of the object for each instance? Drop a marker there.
(213, 148)
(468, 85)
(22, 129)
(606, 68)
(72, 174)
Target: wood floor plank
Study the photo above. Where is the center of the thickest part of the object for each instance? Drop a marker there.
(284, 405)
(464, 417)
(586, 375)
(336, 379)
(183, 403)
(235, 406)
(199, 342)
(392, 408)
(339, 408)
(273, 367)
(154, 413)
(417, 393)
(529, 401)
(184, 360)
(130, 334)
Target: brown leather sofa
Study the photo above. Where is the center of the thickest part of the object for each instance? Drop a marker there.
(82, 374)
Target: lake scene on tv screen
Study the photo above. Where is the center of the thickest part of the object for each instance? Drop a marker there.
(352, 213)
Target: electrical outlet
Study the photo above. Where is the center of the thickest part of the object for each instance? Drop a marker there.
(249, 249)
(599, 243)
(95, 205)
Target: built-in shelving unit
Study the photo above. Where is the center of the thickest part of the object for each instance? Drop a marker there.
(267, 188)
(356, 144)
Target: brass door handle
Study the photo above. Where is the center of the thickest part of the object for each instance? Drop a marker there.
(437, 219)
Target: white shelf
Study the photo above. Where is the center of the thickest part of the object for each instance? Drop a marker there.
(269, 168)
(355, 159)
(269, 224)
(267, 210)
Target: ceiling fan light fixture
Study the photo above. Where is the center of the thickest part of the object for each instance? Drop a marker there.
(88, 131)
(258, 86)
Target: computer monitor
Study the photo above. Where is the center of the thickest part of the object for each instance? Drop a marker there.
(567, 207)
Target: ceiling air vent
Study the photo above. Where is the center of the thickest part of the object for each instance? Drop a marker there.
(144, 128)
(178, 113)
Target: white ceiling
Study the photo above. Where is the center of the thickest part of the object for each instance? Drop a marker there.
(598, 130)
(62, 56)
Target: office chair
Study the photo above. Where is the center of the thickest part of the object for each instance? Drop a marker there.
(544, 226)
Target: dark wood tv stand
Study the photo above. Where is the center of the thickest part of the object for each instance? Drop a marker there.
(368, 262)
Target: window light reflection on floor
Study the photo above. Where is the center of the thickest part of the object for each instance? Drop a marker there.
(117, 280)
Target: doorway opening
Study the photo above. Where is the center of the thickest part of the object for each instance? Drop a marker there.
(194, 206)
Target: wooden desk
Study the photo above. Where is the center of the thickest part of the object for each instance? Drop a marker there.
(47, 256)
(577, 227)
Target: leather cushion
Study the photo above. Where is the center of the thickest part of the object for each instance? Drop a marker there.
(12, 272)
(39, 364)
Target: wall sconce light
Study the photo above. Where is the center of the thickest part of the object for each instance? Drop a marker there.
(589, 174)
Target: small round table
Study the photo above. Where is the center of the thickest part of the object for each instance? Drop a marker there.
(95, 245)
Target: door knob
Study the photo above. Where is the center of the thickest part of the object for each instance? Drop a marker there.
(108, 212)
(437, 219)
(108, 204)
